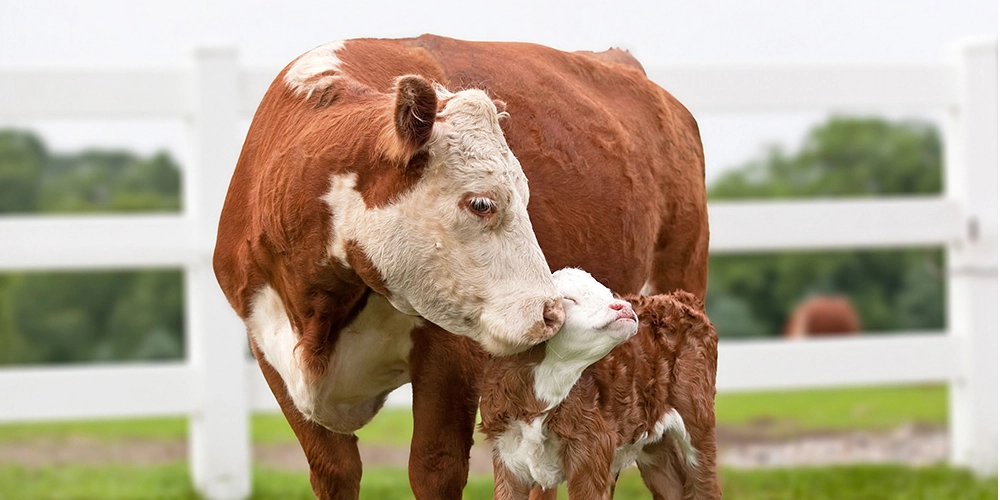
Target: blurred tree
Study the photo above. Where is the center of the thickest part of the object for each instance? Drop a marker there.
(111, 181)
(843, 157)
(73, 317)
(22, 164)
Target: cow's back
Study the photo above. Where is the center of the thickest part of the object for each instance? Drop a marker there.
(614, 162)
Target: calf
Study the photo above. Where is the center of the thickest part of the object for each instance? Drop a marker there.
(598, 396)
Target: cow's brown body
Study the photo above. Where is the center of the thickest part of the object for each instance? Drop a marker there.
(616, 176)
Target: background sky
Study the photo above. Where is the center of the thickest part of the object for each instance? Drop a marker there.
(119, 34)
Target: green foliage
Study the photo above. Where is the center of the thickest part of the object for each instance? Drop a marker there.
(844, 157)
(85, 316)
(753, 295)
(22, 163)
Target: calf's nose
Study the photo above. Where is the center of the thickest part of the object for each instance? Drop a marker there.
(624, 309)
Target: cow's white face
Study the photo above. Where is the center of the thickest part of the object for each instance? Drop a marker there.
(456, 247)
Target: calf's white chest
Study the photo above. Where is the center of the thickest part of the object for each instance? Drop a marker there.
(370, 359)
(531, 453)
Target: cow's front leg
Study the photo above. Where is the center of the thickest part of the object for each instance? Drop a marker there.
(334, 461)
(446, 371)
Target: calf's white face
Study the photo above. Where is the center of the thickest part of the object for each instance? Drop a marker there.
(595, 321)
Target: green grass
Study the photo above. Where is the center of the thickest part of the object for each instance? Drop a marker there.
(390, 427)
(874, 408)
(171, 482)
(166, 429)
(869, 408)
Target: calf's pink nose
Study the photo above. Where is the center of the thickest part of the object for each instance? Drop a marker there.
(624, 309)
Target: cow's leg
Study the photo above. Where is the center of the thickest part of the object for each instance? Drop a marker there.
(446, 372)
(334, 462)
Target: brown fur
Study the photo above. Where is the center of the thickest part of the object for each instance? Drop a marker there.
(616, 173)
(669, 364)
(823, 316)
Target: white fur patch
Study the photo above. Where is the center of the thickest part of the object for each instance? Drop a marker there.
(673, 424)
(532, 455)
(370, 359)
(300, 77)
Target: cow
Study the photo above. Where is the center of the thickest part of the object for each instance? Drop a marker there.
(823, 316)
(375, 231)
(623, 381)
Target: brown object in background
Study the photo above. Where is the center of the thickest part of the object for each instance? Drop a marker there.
(823, 316)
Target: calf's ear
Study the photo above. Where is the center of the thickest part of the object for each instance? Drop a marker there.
(415, 111)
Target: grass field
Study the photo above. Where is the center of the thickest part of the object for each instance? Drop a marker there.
(777, 413)
(782, 413)
(171, 482)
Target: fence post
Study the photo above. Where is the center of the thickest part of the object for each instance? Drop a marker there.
(218, 434)
(971, 179)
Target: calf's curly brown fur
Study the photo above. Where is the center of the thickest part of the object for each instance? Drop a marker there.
(670, 364)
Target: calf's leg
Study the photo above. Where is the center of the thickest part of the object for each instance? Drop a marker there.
(668, 476)
(660, 470)
(537, 493)
(334, 461)
(506, 486)
(446, 372)
(588, 468)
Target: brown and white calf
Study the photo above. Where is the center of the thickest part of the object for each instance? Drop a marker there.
(376, 230)
(597, 397)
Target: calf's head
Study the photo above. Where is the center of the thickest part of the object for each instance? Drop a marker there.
(432, 213)
(595, 321)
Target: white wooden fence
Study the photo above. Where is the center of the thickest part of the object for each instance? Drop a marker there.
(216, 387)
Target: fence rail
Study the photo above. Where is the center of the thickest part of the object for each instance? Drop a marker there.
(214, 95)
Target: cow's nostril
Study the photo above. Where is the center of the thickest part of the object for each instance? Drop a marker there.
(553, 314)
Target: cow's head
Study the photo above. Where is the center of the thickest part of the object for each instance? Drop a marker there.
(445, 235)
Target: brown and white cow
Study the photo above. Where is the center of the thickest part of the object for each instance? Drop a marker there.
(823, 316)
(376, 232)
(615, 386)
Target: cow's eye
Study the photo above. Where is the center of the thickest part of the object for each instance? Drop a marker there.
(482, 206)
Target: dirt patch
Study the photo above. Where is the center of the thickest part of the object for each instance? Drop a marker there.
(290, 457)
(738, 447)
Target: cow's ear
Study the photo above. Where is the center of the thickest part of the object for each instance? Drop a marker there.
(415, 111)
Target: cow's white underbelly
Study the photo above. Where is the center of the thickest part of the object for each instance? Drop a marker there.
(370, 359)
